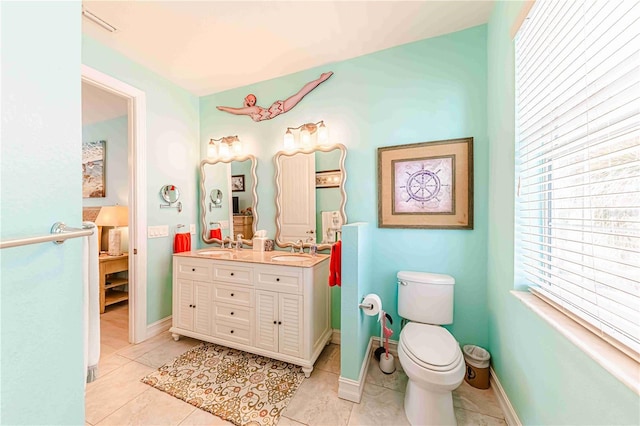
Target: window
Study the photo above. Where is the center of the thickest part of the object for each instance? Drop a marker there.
(578, 162)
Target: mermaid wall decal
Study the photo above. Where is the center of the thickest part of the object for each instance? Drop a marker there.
(258, 113)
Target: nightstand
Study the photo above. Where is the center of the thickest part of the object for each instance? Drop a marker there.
(111, 278)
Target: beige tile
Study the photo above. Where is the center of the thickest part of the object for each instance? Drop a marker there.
(200, 418)
(379, 406)
(135, 351)
(396, 381)
(151, 407)
(110, 363)
(471, 418)
(481, 401)
(166, 352)
(286, 421)
(113, 390)
(316, 401)
(329, 359)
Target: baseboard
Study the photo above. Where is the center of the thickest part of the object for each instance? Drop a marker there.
(335, 337)
(510, 415)
(350, 389)
(158, 327)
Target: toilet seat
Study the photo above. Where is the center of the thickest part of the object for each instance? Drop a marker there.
(431, 347)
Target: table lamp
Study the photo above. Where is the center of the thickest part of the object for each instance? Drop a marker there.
(114, 216)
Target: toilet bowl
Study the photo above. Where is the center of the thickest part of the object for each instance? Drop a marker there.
(434, 364)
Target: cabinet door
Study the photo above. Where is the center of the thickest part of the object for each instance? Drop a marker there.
(184, 305)
(266, 315)
(203, 308)
(290, 324)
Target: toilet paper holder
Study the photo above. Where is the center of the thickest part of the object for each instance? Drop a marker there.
(367, 306)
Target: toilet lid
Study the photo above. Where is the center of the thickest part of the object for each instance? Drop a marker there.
(430, 346)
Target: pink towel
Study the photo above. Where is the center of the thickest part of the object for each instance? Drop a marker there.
(215, 233)
(335, 265)
(182, 242)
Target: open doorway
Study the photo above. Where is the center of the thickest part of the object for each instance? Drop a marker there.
(106, 201)
(126, 273)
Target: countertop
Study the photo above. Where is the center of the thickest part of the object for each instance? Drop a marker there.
(284, 258)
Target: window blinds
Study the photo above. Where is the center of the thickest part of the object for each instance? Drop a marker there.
(578, 162)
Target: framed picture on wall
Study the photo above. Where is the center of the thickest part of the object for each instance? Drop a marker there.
(328, 179)
(93, 169)
(237, 183)
(426, 185)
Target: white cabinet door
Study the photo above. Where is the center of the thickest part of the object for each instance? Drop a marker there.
(184, 304)
(203, 307)
(290, 324)
(298, 185)
(266, 320)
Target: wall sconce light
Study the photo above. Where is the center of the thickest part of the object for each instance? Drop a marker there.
(306, 130)
(225, 147)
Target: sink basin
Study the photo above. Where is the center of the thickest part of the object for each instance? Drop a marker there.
(291, 258)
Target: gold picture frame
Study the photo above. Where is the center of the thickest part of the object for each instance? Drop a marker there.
(426, 185)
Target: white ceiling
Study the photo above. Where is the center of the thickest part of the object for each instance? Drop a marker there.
(99, 105)
(211, 46)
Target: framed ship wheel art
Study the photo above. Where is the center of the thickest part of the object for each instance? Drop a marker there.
(426, 185)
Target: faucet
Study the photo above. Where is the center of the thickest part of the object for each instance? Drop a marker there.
(239, 241)
(225, 240)
(298, 243)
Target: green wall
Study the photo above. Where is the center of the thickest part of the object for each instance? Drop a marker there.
(41, 355)
(547, 379)
(172, 158)
(429, 90)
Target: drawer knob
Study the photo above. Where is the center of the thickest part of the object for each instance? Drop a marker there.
(193, 269)
(278, 279)
(232, 274)
(231, 331)
(231, 294)
(275, 322)
(279, 322)
(191, 306)
(231, 313)
(194, 306)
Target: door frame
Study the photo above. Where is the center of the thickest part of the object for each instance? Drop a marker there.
(137, 165)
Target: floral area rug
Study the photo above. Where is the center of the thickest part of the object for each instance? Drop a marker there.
(242, 388)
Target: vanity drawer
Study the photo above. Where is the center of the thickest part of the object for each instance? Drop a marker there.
(233, 274)
(234, 333)
(193, 269)
(281, 280)
(242, 296)
(233, 314)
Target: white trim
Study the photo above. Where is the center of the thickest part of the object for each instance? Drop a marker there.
(350, 389)
(510, 415)
(335, 337)
(621, 366)
(137, 192)
(159, 327)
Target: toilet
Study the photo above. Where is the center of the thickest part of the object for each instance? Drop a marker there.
(429, 354)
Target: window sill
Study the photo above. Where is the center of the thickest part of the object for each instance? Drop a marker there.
(624, 368)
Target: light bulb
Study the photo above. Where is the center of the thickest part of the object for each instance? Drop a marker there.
(237, 147)
(305, 138)
(289, 142)
(223, 150)
(323, 134)
(211, 150)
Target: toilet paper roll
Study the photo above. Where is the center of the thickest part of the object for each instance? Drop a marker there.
(373, 301)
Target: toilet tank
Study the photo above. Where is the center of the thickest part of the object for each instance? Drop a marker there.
(425, 297)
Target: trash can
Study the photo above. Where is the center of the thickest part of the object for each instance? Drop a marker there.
(477, 360)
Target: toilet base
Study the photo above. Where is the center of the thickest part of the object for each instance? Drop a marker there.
(428, 407)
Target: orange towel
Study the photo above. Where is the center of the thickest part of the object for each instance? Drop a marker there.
(215, 233)
(335, 265)
(182, 242)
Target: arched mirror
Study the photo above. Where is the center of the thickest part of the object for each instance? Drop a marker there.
(228, 199)
(310, 195)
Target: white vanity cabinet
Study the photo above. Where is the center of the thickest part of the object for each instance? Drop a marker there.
(262, 307)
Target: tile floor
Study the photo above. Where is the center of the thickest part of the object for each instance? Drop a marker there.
(119, 398)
